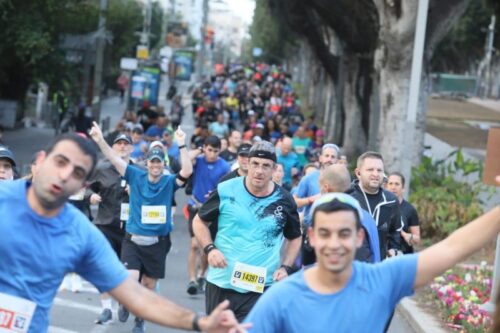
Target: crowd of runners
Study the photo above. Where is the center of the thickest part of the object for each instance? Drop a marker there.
(279, 226)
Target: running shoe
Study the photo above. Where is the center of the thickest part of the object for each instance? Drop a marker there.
(122, 313)
(201, 284)
(139, 326)
(105, 317)
(192, 288)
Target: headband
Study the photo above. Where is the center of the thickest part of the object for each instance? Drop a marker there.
(262, 154)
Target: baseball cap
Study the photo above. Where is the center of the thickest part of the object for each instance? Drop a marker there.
(244, 149)
(7, 154)
(156, 144)
(341, 197)
(123, 137)
(259, 125)
(156, 153)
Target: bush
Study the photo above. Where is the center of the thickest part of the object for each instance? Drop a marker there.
(445, 201)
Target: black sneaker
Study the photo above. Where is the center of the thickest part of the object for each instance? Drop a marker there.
(139, 326)
(122, 313)
(192, 288)
(105, 317)
(201, 284)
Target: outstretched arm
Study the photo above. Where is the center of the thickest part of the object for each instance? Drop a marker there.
(114, 158)
(186, 165)
(459, 245)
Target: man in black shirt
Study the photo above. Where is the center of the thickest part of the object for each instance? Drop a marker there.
(230, 154)
(242, 159)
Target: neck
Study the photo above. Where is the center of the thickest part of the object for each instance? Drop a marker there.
(154, 179)
(232, 149)
(37, 207)
(324, 281)
(400, 199)
(368, 190)
(241, 172)
(259, 192)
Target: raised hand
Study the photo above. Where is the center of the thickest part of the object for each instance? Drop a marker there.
(96, 133)
(180, 136)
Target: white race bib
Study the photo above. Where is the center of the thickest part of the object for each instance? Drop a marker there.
(154, 214)
(248, 277)
(15, 314)
(124, 211)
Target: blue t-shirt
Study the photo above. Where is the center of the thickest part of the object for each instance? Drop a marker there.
(363, 305)
(137, 151)
(289, 161)
(145, 193)
(206, 176)
(251, 230)
(36, 252)
(308, 186)
(174, 151)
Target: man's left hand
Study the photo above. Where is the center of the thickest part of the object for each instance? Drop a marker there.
(222, 320)
(280, 274)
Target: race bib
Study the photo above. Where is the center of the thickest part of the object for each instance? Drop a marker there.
(124, 211)
(15, 314)
(154, 214)
(78, 196)
(248, 277)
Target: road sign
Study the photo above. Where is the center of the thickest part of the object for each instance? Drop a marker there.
(142, 52)
(128, 64)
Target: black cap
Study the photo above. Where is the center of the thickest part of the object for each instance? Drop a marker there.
(123, 137)
(5, 153)
(244, 149)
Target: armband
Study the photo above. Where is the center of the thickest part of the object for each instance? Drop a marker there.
(182, 179)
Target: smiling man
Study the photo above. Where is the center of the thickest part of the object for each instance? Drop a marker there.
(44, 237)
(342, 295)
(7, 164)
(255, 218)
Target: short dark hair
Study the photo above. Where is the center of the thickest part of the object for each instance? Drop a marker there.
(369, 154)
(400, 175)
(212, 141)
(335, 206)
(85, 145)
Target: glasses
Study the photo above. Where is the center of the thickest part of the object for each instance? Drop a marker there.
(264, 167)
(343, 198)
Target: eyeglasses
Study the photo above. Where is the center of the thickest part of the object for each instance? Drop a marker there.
(342, 197)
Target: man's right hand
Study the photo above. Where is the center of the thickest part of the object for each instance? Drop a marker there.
(216, 259)
(96, 133)
(95, 199)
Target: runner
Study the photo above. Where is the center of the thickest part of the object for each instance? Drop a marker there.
(209, 168)
(411, 225)
(255, 219)
(350, 296)
(147, 239)
(7, 164)
(241, 161)
(43, 237)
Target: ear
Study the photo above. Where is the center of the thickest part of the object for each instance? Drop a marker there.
(310, 234)
(360, 237)
(357, 172)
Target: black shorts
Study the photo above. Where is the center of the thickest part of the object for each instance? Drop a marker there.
(114, 236)
(240, 303)
(148, 260)
(192, 213)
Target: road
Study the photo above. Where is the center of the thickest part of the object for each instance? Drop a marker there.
(76, 312)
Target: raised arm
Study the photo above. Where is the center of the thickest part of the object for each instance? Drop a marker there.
(109, 153)
(186, 165)
(436, 259)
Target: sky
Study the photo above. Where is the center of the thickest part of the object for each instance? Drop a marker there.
(242, 8)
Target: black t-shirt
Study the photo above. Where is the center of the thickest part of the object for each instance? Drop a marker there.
(410, 219)
(228, 156)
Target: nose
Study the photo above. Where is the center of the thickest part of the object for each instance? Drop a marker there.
(65, 173)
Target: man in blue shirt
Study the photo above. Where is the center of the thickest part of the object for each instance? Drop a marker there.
(256, 219)
(289, 160)
(44, 237)
(344, 295)
(209, 168)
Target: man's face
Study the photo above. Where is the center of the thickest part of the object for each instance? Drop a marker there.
(286, 146)
(278, 173)
(155, 167)
(6, 169)
(395, 185)
(136, 137)
(211, 153)
(328, 157)
(235, 139)
(243, 162)
(371, 174)
(335, 240)
(60, 174)
(260, 172)
(122, 148)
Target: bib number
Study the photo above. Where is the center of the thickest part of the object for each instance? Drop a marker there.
(154, 214)
(15, 314)
(124, 211)
(248, 277)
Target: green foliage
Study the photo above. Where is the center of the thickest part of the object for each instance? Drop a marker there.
(444, 203)
(268, 34)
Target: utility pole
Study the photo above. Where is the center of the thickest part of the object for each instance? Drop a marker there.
(203, 49)
(101, 45)
(146, 27)
(489, 51)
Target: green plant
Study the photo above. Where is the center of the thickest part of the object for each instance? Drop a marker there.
(446, 193)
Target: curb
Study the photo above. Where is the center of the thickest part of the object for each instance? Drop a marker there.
(420, 321)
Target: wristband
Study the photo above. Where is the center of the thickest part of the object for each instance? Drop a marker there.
(288, 269)
(182, 146)
(209, 248)
(195, 326)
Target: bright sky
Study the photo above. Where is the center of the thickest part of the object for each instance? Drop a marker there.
(242, 8)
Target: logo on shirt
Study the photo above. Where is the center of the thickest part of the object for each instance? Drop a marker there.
(278, 213)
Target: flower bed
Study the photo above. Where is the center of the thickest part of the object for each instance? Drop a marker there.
(461, 291)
